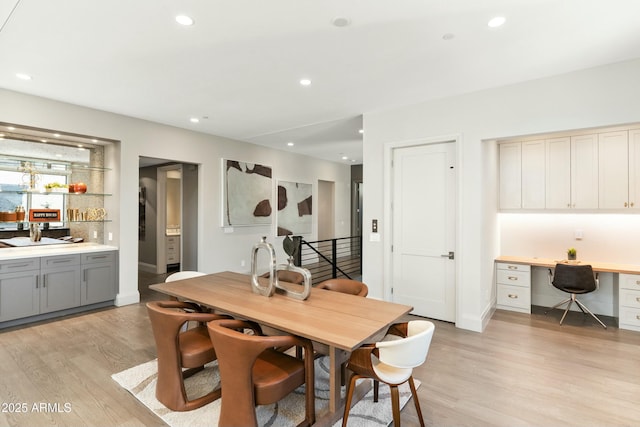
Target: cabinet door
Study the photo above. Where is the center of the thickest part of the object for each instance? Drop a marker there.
(533, 174)
(634, 166)
(60, 288)
(584, 172)
(19, 295)
(613, 170)
(558, 171)
(98, 283)
(510, 176)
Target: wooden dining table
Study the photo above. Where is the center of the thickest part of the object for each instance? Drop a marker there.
(339, 322)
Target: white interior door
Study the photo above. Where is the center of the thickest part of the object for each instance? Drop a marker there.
(423, 209)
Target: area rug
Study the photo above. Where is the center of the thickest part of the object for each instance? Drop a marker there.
(140, 381)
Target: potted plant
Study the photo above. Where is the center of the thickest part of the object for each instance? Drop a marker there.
(571, 253)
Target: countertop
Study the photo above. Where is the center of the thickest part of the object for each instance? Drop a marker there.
(51, 250)
(597, 266)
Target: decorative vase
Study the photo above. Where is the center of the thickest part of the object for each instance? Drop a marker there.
(256, 287)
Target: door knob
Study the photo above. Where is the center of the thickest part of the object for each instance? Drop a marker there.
(450, 255)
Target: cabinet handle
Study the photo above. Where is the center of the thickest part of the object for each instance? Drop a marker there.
(512, 278)
(44, 281)
(513, 296)
(512, 267)
(631, 204)
(17, 265)
(98, 256)
(626, 204)
(637, 282)
(638, 317)
(568, 205)
(37, 282)
(638, 299)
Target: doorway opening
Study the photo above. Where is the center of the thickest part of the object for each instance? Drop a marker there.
(168, 218)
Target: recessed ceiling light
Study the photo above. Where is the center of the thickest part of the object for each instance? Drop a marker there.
(23, 76)
(94, 140)
(345, 158)
(80, 146)
(290, 144)
(361, 131)
(184, 20)
(43, 140)
(57, 135)
(11, 128)
(194, 120)
(305, 82)
(496, 21)
(340, 21)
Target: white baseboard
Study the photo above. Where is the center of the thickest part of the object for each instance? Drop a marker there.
(147, 268)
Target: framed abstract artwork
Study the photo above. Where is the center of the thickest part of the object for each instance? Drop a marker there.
(294, 208)
(247, 193)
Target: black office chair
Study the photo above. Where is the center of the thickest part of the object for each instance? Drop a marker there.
(574, 280)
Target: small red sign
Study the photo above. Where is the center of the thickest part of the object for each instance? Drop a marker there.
(44, 215)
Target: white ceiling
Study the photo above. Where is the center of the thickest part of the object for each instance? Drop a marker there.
(240, 64)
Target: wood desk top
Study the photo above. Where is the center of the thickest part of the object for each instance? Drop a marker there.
(597, 266)
(332, 318)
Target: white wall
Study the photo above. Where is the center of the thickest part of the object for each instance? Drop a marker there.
(217, 251)
(602, 96)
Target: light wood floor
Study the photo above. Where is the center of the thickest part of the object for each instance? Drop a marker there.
(522, 371)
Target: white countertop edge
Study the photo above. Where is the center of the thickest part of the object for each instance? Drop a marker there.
(52, 250)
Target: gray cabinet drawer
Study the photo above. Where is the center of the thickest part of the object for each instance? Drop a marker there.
(16, 265)
(98, 257)
(59, 261)
(629, 298)
(514, 296)
(514, 278)
(513, 267)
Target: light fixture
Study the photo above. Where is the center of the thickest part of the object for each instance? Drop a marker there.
(345, 158)
(360, 131)
(290, 144)
(43, 140)
(94, 140)
(184, 20)
(57, 135)
(194, 120)
(23, 76)
(305, 82)
(496, 21)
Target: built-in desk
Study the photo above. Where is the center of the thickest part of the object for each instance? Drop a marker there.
(513, 285)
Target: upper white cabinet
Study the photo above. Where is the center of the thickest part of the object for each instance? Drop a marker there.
(533, 174)
(584, 172)
(510, 175)
(634, 165)
(593, 171)
(522, 179)
(558, 173)
(613, 170)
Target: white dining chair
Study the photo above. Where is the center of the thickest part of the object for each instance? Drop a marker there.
(391, 361)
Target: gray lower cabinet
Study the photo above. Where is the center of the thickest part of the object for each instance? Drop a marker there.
(60, 287)
(98, 277)
(36, 286)
(19, 288)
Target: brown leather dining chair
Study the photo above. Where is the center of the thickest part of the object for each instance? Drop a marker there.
(177, 349)
(346, 286)
(391, 361)
(253, 372)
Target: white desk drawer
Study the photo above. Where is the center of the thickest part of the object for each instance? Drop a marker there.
(514, 296)
(629, 298)
(514, 278)
(629, 281)
(629, 316)
(513, 267)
